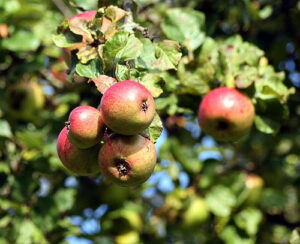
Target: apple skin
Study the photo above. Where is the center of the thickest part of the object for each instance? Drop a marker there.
(127, 107)
(226, 114)
(196, 213)
(87, 15)
(86, 127)
(127, 160)
(77, 161)
(24, 100)
(254, 184)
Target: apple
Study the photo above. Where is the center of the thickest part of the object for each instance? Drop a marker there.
(85, 126)
(76, 160)
(129, 237)
(127, 160)
(127, 107)
(195, 214)
(226, 114)
(254, 185)
(24, 100)
(87, 15)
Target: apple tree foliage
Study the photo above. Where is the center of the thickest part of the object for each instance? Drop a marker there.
(202, 191)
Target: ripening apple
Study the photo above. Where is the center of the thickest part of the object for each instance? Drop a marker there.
(254, 185)
(127, 160)
(85, 126)
(24, 100)
(88, 16)
(195, 214)
(76, 160)
(127, 107)
(226, 114)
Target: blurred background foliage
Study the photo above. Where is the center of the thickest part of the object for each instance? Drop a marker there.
(201, 191)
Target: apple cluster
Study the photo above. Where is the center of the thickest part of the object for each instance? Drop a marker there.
(126, 157)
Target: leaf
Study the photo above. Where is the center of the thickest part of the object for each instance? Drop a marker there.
(245, 77)
(155, 129)
(32, 138)
(147, 57)
(221, 200)
(168, 55)
(114, 13)
(5, 130)
(93, 69)
(122, 72)
(249, 219)
(122, 46)
(266, 125)
(230, 236)
(66, 39)
(273, 200)
(28, 232)
(64, 199)
(103, 82)
(295, 237)
(185, 26)
(185, 156)
(87, 53)
(151, 82)
(79, 26)
(160, 56)
(21, 40)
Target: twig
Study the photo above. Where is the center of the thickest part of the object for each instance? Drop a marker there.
(63, 8)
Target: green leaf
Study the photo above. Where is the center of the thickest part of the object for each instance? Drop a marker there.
(152, 83)
(122, 72)
(249, 219)
(185, 156)
(122, 46)
(28, 232)
(230, 236)
(114, 13)
(185, 26)
(295, 237)
(92, 69)
(64, 199)
(21, 40)
(266, 125)
(168, 55)
(147, 57)
(221, 200)
(155, 129)
(160, 56)
(5, 130)
(246, 77)
(67, 39)
(32, 138)
(273, 200)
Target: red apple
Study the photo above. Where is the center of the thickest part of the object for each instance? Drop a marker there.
(85, 126)
(77, 161)
(127, 160)
(88, 16)
(127, 107)
(226, 114)
(73, 21)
